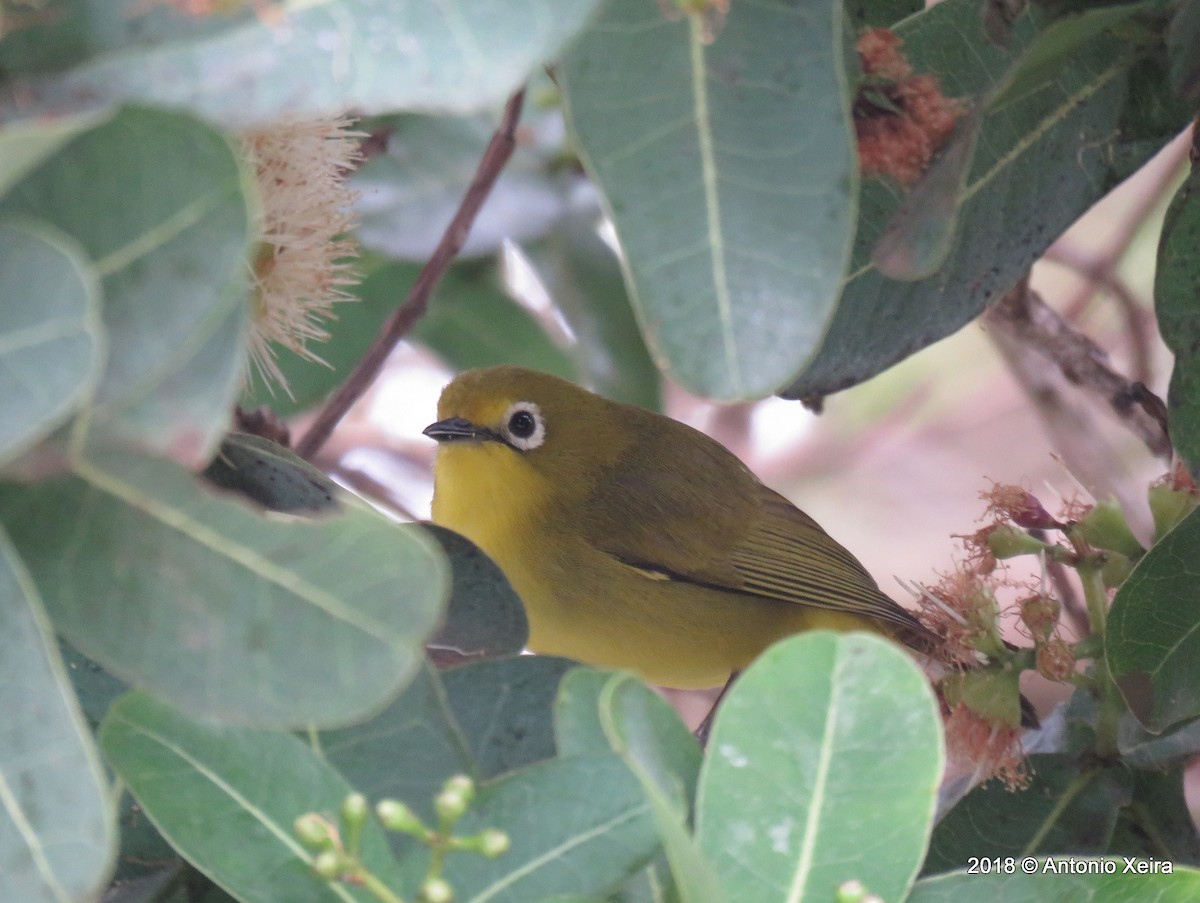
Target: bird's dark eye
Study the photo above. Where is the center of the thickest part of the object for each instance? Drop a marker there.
(522, 425)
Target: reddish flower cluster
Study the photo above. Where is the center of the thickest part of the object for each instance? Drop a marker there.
(901, 119)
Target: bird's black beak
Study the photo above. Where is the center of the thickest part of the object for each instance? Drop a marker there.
(456, 429)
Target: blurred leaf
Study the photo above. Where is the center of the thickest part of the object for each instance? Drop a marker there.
(158, 201)
(1183, 36)
(822, 767)
(294, 59)
(227, 799)
(505, 710)
(1065, 809)
(598, 708)
(1176, 304)
(23, 145)
(472, 322)
(578, 825)
(582, 275)
(1041, 161)
(921, 234)
(618, 710)
(57, 824)
(1141, 749)
(157, 887)
(227, 613)
(485, 616)
(406, 751)
(1157, 824)
(481, 720)
(1056, 47)
(870, 13)
(1153, 634)
(731, 183)
(51, 340)
(410, 194)
(1181, 886)
(271, 475)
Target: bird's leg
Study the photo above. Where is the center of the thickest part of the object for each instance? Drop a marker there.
(706, 725)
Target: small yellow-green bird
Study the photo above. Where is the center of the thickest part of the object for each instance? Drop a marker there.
(636, 541)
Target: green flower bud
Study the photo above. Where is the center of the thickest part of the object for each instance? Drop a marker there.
(493, 843)
(1105, 528)
(328, 865)
(850, 892)
(1008, 541)
(395, 816)
(355, 810)
(314, 831)
(1169, 506)
(437, 890)
(454, 800)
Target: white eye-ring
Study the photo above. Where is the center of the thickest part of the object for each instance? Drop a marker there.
(523, 426)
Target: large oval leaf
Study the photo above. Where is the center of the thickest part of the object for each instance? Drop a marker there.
(227, 798)
(725, 153)
(1042, 159)
(1153, 635)
(51, 341)
(275, 59)
(57, 821)
(230, 614)
(822, 767)
(159, 202)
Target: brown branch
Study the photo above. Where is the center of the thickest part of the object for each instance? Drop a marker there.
(1024, 316)
(405, 317)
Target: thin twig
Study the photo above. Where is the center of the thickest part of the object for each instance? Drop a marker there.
(405, 317)
(1023, 315)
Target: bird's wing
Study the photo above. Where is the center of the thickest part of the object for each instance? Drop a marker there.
(786, 555)
(701, 520)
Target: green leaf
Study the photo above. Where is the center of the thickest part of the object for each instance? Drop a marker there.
(1141, 749)
(822, 767)
(1065, 809)
(51, 341)
(504, 709)
(57, 824)
(619, 711)
(920, 235)
(23, 145)
(485, 616)
(1056, 46)
(309, 58)
(1041, 160)
(407, 751)
(227, 613)
(1153, 634)
(1057, 882)
(227, 798)
(158, 200)
(472, 322)
(869, 13)
(1157, 824)
(482, 720)
(1176, 302)
(583, 276)
(599, 708)
(410, 194)
(731, 181)
(578, 825)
